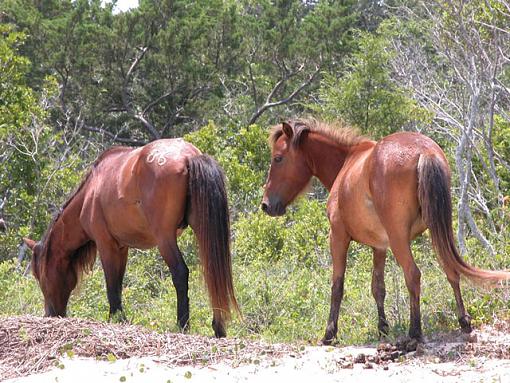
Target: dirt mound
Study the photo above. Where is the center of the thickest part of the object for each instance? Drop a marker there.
(31, 344)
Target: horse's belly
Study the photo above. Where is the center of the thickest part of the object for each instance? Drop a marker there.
(131, 229)
(364, 225)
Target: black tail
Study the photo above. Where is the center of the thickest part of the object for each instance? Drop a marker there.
(209, 218)
(435, 200)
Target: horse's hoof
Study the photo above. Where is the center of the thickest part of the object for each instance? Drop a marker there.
(415, 331)
(328, 340)
(118, 317)
(220, 334)
(465, 324)
(184, 327)
(383, 329)
(219, 329)
(330, 335)
(412, 345)
(407, 344)
(416, 336)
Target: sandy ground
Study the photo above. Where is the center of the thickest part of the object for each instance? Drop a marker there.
(40, 350)
(320, 364)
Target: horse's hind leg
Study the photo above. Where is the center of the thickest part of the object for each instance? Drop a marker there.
(180, 274)
(464, 317)
(114, 259)
(379, 289)
(402, 251)
(339, 243)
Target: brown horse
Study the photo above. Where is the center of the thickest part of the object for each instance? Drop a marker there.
(141, 198)
(382, 194)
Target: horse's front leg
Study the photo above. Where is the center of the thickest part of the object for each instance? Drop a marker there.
(339, 243)
(379, 289)
(180, 274)
(113, 260)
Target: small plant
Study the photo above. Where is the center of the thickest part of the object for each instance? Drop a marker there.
(111, 358)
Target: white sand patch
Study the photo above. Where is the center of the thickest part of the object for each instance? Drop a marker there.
(315, 364)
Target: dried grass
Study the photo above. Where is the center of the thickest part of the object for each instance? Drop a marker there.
(31, 344)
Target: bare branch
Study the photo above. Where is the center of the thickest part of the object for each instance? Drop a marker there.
(114, 137)
(126, 98)
(268, 104)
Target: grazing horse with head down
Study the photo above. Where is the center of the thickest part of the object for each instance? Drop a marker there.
(382, 194)
(141, 198)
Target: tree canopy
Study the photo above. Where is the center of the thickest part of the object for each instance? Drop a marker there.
(76, 77)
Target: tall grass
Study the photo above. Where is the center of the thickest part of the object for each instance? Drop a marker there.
(283, 294)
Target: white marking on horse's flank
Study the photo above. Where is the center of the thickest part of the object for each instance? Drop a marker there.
(159, 155)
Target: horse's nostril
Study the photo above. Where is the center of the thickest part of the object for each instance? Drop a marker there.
(264, 207)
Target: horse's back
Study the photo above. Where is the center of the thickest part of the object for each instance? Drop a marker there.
(394, 179)
(402, 149)
(377, 189)
(166, 157)
(140, 194)
(394, 161)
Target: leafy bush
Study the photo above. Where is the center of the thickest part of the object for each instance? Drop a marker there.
(243, 153)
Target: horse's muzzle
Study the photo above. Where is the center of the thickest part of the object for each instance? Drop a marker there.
(273, 209)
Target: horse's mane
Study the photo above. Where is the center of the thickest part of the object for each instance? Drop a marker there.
(45, 241)
(337, 131)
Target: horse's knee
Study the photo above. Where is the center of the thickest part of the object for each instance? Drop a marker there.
(412, 277)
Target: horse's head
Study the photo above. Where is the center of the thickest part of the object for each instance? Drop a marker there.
(38, 272)
(289, 172)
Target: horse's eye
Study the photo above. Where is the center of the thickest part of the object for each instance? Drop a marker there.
(278, 159)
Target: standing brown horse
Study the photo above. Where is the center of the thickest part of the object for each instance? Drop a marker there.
(382, 194)
(141, 198)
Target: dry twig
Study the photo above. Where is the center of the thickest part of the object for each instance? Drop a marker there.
(31, 344)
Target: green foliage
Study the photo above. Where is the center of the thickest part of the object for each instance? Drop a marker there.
(38, 164)
(282, 299)
(164, 68)
(366, 96)
(17, 101)
(300, 237)
(18, 294)
(243, 154)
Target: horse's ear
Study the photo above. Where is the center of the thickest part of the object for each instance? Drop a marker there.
(287, 129)
(30, 243)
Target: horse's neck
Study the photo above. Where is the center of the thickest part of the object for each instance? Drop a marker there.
(325, 157)
(67, 234)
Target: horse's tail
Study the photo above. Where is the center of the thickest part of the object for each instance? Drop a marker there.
(83, 259)
(210, 221)
(436, 209)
